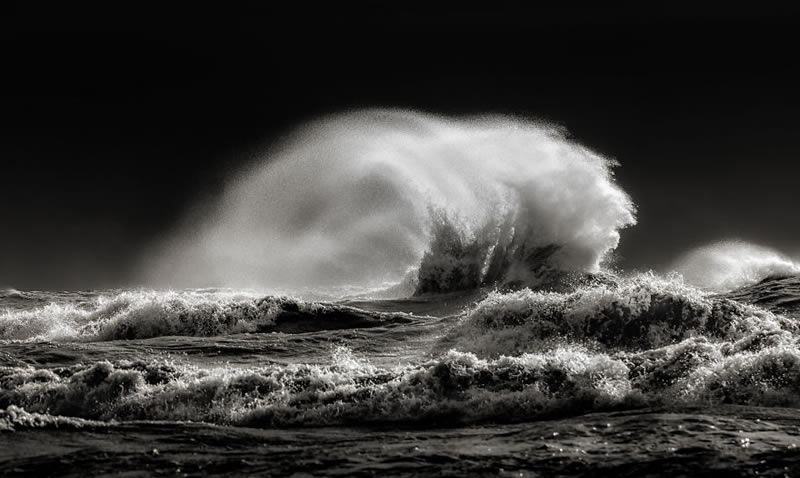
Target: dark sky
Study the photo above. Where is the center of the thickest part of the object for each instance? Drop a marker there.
(114, 122)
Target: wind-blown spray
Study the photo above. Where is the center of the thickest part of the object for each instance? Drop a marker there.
(727, 265)
(358, 199)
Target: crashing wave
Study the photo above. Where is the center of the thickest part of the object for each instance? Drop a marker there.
(453, 263)
(365, 197)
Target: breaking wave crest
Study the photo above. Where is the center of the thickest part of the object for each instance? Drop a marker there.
(453, 389)
(366, 198)
(15, 418)
(640, 312)
(728, 265)
(147, 314)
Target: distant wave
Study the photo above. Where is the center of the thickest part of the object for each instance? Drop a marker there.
(364, 198)
(729, 265)
(145, 314)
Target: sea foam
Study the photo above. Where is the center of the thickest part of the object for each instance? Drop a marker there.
(455, 388)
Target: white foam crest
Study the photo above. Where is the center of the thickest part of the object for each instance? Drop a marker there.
(640, 311)
(452, 388)
(149, 313)
(351, 199)
(728, 265)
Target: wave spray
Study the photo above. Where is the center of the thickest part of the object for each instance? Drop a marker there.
(728, 265)
(373, 197)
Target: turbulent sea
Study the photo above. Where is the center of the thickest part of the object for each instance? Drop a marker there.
(411, 295)
(642, 376)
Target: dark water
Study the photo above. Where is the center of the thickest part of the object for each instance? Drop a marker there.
(632, 376)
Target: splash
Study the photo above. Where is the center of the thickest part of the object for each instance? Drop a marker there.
(729, 265)
(367, 198)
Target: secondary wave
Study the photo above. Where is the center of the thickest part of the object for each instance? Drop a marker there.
(142, 314)
(364, 198)
(640, 312)
(455, 388)
(776, 293)
(728, 265)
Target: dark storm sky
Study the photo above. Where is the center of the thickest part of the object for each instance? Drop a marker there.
(113, 123)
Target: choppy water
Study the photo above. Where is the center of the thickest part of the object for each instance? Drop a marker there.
(632, 376)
